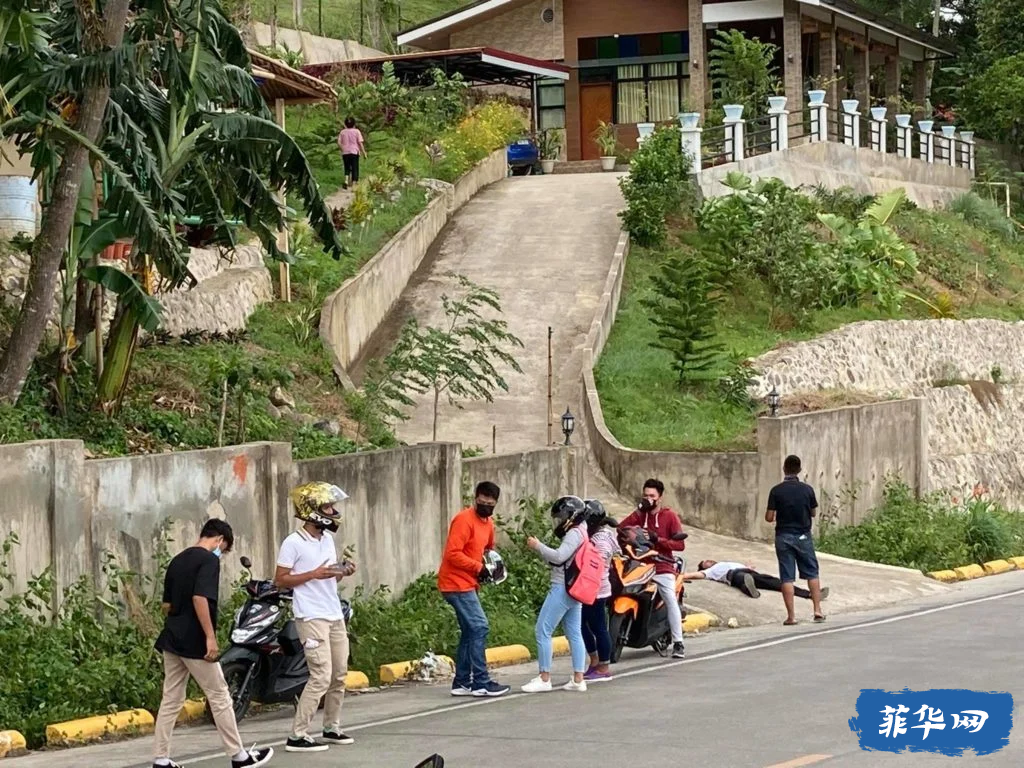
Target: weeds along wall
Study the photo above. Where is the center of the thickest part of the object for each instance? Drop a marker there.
(71, 514)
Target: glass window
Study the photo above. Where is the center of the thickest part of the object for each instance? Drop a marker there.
(551, 118)
(587, 48)
(672, 42)
(664, 69)
(631, 102)
(663, 98)
(607, 48)
(550, 95)
(629, 46)
(630, 72)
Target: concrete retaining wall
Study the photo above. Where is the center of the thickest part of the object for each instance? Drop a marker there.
(352, 313)
(834, 165)
(68, 513)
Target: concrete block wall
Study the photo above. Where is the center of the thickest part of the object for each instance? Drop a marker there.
(69, 512)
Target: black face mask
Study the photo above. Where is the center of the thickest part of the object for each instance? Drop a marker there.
(646, 505)
(484, 510)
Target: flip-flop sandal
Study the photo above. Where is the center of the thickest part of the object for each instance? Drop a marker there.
(788, 623)
(818, 618)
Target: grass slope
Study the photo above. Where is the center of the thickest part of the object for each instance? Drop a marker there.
(643, 405)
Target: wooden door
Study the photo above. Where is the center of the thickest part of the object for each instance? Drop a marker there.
(595, 106)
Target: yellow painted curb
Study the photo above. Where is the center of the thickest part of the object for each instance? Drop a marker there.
(391, 673)
(1017, 562)
(192, 710)
(560, 645)
(354, 681)
(504, 655)
(946, 576)
(11, 743)
(972, 571)
(698, 622)
(997, 566)
(89, 728)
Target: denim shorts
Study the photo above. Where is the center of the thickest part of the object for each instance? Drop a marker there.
(793, 550)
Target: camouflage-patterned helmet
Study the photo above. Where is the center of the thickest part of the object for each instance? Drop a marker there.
(315, 503)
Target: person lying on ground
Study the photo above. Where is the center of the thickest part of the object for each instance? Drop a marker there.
(744, 578)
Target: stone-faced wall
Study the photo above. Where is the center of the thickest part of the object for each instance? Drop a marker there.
(972, 426)
(521, 30)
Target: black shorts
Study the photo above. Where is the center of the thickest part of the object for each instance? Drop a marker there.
(351, 163)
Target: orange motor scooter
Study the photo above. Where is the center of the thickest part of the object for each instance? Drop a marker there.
(638, 617)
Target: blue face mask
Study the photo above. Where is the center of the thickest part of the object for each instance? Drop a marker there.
(216, 552)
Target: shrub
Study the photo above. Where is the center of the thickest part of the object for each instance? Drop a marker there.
(486, 128)
(657, 185)
(930, 533)
(983, 214)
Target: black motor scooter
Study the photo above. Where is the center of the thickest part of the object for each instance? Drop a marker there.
(265, 662)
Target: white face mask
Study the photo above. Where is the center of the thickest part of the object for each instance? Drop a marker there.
(216, 551)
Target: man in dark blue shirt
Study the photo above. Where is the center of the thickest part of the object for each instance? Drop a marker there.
(792, 506)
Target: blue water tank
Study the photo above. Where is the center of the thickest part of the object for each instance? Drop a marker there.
(19, 206)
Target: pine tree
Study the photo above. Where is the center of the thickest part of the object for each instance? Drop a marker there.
(684, 309)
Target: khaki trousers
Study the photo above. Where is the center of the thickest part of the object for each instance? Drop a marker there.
(326, 647)
(211, 679)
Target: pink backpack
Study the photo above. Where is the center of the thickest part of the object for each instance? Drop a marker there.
(584, 573)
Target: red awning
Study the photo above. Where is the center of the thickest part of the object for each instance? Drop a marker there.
(479, 66)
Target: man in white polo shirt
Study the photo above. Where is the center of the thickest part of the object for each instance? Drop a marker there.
(744, 578)
(308, 565)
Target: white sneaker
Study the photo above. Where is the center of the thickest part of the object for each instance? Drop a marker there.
(572, 685)
(537, 686)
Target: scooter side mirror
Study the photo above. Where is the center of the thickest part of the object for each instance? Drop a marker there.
(246, 562)
(679, 536)
(434, 761)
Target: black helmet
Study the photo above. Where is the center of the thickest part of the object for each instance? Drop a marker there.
(596, 516)
(567, 512)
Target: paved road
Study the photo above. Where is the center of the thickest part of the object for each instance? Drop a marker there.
(544, 243)
(750, 698)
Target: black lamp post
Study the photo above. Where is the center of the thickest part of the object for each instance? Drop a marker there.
(773, 401)
(568, 424)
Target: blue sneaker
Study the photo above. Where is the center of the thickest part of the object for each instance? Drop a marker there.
(491, 689)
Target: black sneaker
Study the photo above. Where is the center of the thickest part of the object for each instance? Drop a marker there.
(305, 744)
(677, 651)
(492, 689)
(256, 758)
(337, 737)
(170, 764)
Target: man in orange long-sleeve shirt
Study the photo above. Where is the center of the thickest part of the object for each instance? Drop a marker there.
(470, 535)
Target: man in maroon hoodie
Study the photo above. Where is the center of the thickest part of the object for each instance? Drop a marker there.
(661, 524)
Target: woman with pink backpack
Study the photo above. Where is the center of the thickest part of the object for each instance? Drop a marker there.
(568, 515)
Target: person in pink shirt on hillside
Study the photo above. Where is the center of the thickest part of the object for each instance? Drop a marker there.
(350, 142)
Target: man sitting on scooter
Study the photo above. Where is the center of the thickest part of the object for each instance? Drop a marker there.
(661, 524)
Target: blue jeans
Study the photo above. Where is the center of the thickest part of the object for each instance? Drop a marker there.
(792, 550)
(471, 657)
(559, 607)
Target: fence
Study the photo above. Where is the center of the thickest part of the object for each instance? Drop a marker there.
(737, 138)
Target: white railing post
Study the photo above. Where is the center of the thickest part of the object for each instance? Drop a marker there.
(949, 136)
(927, 140)
(779, 116)
(879, 129)
(851, 123)
(904, 136)
(734, 132)
(967, 147)
(691, 146)
(819, 120)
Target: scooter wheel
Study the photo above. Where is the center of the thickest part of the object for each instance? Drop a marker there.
(240, 684)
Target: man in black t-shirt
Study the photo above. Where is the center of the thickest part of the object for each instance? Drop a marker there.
(189, 646)
(792, 506)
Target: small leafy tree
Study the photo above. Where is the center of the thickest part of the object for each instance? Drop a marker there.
(684, 309)
(459, 360)
(994, 103)
(743, 71)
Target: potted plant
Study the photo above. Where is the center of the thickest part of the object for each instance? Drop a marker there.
(925, 126)
(689, 118)
(850, 106)
(818, 85)
(644, 130)
(776, 104)
(607, 143)
(549, 143)
(948, 131)
(733, 112)
(878, 114)
(967, 136)
(903, 121)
